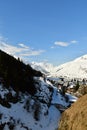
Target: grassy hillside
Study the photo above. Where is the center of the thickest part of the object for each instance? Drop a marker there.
(75, 118)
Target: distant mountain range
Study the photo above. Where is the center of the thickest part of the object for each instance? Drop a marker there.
(44, 67)
(73, 69)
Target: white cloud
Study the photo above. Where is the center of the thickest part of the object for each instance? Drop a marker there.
(73, 41)
(21, 50)
(59, 43)
(52, 47)
(2, 38)
(65, 44)
(22, 45)
(32, 53)
(11, 49)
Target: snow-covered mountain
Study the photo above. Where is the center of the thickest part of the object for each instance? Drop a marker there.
(73, 69)
(28, 101)
(21, 111)
(44, 67)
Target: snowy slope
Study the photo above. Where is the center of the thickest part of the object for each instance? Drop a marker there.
(44, 67)
(74, 69)
(36, 112)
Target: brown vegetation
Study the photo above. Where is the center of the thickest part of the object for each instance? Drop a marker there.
(75, 118)
(83, 89)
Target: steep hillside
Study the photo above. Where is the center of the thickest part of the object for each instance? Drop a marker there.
(16, 74)
(27, 100)
(75, 118)
(23, 111)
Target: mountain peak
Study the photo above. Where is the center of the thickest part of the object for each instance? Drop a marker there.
(73, 69)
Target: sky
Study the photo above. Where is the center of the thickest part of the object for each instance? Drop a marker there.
(53, 31)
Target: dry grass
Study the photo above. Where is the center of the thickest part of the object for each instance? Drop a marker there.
(75, 118)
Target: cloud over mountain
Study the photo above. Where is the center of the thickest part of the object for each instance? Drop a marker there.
(21, 50)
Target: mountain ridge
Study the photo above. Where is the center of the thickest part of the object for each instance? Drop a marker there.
(27, 101)
(74, 69)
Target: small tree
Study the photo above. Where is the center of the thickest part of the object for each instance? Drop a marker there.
(77, 86)
(37, 111)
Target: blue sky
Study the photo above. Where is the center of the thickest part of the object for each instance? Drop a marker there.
(44, 30)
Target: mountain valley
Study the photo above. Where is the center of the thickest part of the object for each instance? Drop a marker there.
(30, 98)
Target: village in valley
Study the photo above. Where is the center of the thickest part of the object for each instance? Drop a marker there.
(76, 87)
